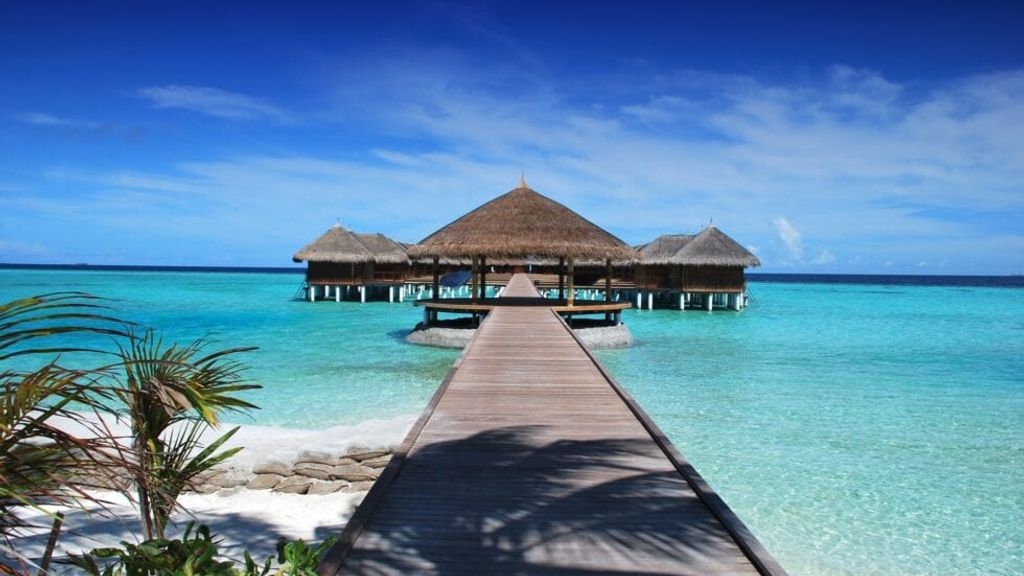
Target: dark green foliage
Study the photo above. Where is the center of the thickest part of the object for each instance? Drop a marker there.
(196, 554)
(171, 395)
(40, 462)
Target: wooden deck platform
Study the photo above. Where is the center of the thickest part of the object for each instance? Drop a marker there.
(485, 305)
(530, 459)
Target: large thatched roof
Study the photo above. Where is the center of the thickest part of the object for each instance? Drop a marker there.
(520, 224)
(344, 246)
(711, 247)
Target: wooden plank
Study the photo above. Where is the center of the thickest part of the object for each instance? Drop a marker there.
(531, 459)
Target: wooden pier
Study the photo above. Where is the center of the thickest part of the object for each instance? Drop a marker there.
(530, 459)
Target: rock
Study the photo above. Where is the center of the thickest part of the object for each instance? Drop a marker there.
(294, 485)
(205, 476)
(441, 337)
(272, 467)
(321, 457)
(378, 462)
(357, 487)
(597, 338)
(354, 473)
(313, 470)
(227, 480)
(264, 481)
(330, 487)
(207, 488)
(605, 337)
(360, 454)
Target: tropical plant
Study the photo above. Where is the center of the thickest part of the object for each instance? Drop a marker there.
(296, 558)
(171, 395)
(195, 553)
(40, 462)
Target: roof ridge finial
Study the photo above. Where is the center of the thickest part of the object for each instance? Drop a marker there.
(522, 179)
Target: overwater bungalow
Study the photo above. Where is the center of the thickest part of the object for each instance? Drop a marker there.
(345, 265)
(704, 271)
(516, 228)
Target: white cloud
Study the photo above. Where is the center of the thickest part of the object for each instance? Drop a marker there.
(791, 238)
(213, 102)
(41, 119)
(824, 257)
(870, 168)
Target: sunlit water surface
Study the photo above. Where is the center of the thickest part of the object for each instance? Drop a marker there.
(856, 428)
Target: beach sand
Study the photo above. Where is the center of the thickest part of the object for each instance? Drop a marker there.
(242, 519)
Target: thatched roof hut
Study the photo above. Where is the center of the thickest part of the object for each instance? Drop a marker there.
(521, 224)
(342, 246)
(711, 247)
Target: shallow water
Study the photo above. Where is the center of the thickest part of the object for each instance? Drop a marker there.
(856, 428)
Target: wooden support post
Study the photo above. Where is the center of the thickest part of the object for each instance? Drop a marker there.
(337, 293)
(474, 278)
(682, 300)
(639, 300)
(572, 282)
(709, 301)
(483, 277)
(391, 294)
(401, 293)
(436, 290)
(362, 294)
(561, 279)
(608, 280)
(650, 300)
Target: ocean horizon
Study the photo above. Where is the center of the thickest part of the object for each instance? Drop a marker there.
(857, 424)
(1014, 280)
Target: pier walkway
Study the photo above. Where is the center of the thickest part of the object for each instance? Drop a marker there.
(531, 460)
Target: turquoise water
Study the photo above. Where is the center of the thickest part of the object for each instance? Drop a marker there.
(857, 429)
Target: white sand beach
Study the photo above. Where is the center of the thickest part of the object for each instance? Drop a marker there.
(242, 519)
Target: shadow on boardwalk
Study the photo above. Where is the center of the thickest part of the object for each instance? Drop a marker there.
(507, 500)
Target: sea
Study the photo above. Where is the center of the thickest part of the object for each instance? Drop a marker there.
(858, 425)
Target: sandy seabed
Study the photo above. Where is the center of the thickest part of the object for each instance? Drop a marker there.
(240, 518)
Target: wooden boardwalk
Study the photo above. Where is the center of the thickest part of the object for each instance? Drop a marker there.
(531, 460)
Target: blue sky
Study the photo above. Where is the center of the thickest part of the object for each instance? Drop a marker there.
(827, 137)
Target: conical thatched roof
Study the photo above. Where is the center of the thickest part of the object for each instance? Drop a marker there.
(520, 224)
(711, 247)
(663, 248)
(344, 246)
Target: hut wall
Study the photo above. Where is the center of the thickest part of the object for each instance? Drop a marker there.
(690, 278)
(356, 273)
(658, 277)
(333, 273)
(390, 273)
(713, 279)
